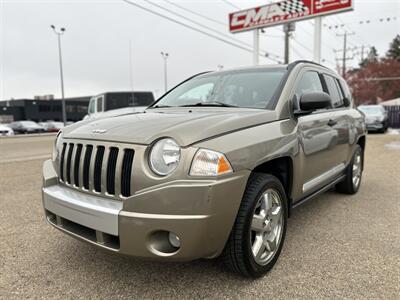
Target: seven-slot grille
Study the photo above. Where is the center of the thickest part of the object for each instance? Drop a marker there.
(97, 168)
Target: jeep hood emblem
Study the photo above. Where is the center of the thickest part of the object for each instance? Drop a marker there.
(99, 131)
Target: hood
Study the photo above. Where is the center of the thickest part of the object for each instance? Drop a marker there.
(117, 112)
(185, 125)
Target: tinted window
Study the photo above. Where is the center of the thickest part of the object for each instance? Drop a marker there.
(247, 88)
(333, 90)
(121, 100)
(345, 89)
(309, 82)
(100, 104)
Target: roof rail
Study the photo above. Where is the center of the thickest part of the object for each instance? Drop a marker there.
(295, 63)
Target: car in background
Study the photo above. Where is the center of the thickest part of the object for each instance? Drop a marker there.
(26, 127)
(118, 103)
(5, 130)
(376, 117)
(52, 126)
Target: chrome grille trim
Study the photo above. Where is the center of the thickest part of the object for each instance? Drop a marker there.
(69, 163)
(90, 166)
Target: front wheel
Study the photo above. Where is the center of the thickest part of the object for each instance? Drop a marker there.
(352, 181)
(257, 236)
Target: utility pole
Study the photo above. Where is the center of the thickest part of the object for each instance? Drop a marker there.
(288, 28)
(59, 34)
(317, 39)
(256, 46)
(165, 56)
(344, 58)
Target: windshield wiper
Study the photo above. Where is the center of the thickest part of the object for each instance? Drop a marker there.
(160, 106)
(214, 103)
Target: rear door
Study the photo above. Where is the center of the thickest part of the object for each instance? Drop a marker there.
(340, 119)
(318, 139)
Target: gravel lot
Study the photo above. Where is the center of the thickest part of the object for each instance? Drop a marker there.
(337, 246)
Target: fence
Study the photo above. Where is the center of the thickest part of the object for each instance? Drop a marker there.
(393, 116)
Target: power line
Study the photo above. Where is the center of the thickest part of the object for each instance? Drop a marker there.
(231, 4)
(206, 27)
(197, 14)
(301, 45)
(225, 24)
(194, 28)
(361, 22)
(197, 23)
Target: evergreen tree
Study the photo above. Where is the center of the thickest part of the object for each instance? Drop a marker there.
(371, 57)
(394, 49)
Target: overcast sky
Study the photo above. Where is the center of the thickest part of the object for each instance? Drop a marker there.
(98, 33)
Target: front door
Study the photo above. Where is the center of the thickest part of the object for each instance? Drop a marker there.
(318, 137)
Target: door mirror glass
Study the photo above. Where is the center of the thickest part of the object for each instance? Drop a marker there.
(314, 100)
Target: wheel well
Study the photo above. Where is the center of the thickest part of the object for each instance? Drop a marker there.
(282, 168)
(361, 142)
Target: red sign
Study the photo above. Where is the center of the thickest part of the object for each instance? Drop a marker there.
(285, 12)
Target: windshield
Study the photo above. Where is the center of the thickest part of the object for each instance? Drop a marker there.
(370, 110)
(247, 89)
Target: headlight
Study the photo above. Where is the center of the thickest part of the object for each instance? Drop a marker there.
(209, 163)
(164, 156)
(56, 147)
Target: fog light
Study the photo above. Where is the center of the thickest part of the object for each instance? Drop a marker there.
(174, 240)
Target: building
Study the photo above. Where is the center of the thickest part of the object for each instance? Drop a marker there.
(43, 110)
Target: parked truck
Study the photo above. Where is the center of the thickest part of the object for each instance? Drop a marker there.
(118, 103)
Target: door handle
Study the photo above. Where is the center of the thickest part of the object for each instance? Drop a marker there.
(331, 123)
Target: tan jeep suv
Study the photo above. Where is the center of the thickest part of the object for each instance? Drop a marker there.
(213, 168)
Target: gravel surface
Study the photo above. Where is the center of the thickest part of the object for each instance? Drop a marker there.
(337, 246)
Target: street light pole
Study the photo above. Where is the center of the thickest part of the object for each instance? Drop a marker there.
(59, 33)
(165, 56)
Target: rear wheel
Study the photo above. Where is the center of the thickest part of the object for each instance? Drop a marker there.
(351, 183)
(257, 236)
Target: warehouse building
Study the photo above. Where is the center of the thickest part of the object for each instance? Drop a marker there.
(40, 110)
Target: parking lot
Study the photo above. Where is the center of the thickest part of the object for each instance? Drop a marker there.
(336, 246)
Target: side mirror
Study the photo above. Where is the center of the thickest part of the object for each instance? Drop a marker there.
(314, 100)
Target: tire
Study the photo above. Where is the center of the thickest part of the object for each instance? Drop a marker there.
(263, 195)
(348, 185)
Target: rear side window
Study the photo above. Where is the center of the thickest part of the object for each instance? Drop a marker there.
(345, 89)
(333, 89)
(309, 82)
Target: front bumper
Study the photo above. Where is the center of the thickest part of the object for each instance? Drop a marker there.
(200, 212)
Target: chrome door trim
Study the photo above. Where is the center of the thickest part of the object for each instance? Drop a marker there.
(323, 177)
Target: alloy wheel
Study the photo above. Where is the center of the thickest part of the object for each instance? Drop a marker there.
(357, 167)
(266, 226)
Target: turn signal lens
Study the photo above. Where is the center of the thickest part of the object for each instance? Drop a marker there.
(209, 163)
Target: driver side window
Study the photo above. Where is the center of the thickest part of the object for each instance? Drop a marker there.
(309, 82)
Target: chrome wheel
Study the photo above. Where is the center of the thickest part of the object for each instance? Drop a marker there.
(357, 167)
(266, 227)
